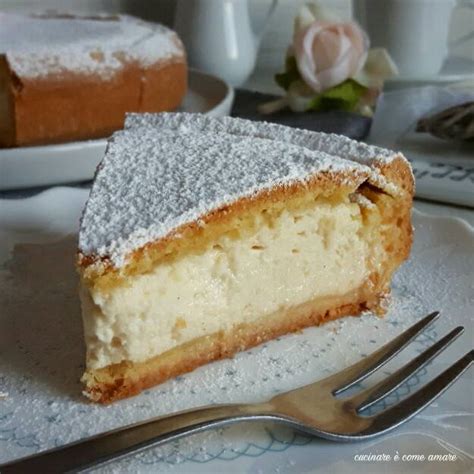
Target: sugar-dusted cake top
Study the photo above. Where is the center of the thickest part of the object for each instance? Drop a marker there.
(39, 45)
(330, 143)
(166, 170)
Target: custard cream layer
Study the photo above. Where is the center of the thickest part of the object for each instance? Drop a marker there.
(299, 256)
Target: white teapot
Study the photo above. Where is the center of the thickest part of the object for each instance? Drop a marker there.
(219, 38)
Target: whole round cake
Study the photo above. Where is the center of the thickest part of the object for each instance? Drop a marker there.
(65, 77)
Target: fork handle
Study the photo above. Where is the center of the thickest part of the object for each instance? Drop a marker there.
(134, 438)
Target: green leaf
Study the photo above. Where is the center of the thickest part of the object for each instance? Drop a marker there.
(344, 96)
(290, 75)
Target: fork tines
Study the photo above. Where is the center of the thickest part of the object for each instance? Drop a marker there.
(397, 414)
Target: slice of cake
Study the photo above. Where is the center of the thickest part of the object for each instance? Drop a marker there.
(203, 237)
(66, 78)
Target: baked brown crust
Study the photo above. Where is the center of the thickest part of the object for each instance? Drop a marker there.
(126, 379)
(76, 106)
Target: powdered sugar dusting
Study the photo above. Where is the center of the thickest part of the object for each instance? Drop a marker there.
(153, 180)
(37, 46)
(330, 143)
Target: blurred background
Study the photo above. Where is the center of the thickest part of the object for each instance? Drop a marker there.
(443, 168)
(277, 36)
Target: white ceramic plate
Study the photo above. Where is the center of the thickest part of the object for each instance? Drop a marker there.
(73, 162)
(41, 357)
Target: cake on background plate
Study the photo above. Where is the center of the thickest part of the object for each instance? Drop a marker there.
(65, 78)
(205, 236)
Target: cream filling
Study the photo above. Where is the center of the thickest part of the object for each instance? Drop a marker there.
(299, 257)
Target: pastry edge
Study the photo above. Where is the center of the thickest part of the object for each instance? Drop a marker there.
(130, 378)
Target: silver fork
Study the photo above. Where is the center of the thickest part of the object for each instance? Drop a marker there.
(314, 409)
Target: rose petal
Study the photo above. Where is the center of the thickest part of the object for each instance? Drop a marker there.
(321, 13)
(303, 46)
(328, 54)
(378, 67)
(326, 49)
(304, 18)
(360, 42)
(344, 61)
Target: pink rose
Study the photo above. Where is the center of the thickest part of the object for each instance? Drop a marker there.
(328, 53)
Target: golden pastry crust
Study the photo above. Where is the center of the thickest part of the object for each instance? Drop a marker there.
(76, 106)
(126, 379)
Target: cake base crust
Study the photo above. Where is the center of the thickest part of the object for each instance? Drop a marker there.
(126, 379)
